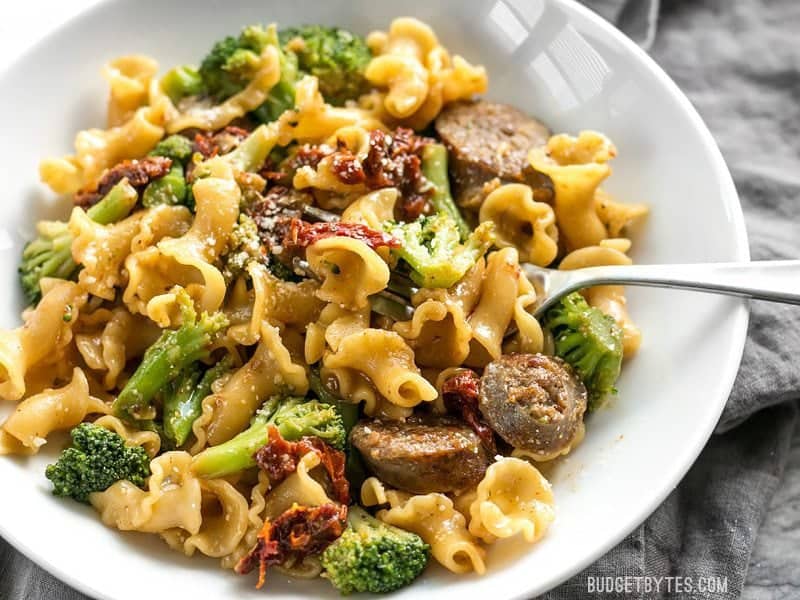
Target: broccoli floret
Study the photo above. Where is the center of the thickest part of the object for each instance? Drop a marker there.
(590, 341)
(233, 62)
(181, 82)
(336, 57)
(431, 247)
(171, 189)
(50, 255)
(176, 147)
(172, 352)
(97, 459)
(373, 556)
(294, 417)
(245, 247)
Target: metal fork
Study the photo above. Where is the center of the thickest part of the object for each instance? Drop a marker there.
(773, 280)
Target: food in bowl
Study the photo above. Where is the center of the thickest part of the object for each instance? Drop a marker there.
(285, 322)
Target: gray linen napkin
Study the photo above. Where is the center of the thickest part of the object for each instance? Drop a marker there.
(740, 65)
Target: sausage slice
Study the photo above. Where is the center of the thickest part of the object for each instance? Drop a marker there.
(534, 402)
(422, 455)
(489, 141)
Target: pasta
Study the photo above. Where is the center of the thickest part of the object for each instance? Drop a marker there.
(513, 498)
(418, 72)
(129, 79)
(434, 519)
(313, 248)
(522, 223)
(26, 430)
(350, 270)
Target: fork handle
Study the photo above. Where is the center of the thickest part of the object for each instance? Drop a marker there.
(772, 280)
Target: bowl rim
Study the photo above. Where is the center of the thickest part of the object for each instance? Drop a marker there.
(740, 310)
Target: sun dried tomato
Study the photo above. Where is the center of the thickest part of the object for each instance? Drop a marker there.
(302, 234)
(278, 458)
(347, 168)
(211, 143)
(139, 173)
(308, 156)
(461, 393)
(298, 532)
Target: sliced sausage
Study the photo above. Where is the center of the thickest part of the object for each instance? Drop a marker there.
(534, 402)
(422, 455)
(489, 142)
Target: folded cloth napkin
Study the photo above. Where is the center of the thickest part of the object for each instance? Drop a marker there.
(739, 63)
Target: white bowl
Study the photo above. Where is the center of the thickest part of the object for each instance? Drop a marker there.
(554, 59)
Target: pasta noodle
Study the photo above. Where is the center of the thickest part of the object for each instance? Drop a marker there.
(228, 411)
(99, 149)
(438, 333)
(129, 79)
(387, 360)
(419, 73)
(522, 223)
(577, 167)
(351, 271)
(42, 341)
(434, 519)
(513, 498)
(26, 430)
(173, 499)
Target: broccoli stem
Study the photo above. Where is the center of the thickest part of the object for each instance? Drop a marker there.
(181, 82)
(250, 155)
(184, 404)
(434, 167)
(53, 258)
(355, 470)
(294, 417)
(237, 454)
(164, 360)
(115, 205)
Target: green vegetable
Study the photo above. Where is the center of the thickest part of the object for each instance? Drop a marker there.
(250, 155)
(431, 247)
(171, 189)
(173, 352)
(97, 459)
(590, 341)
(181, 82)
(50, 255)
(182, 402)
(234, 61)
(354, 465)
(175, 147)
(337, 58)
(373, 556)
(434, 167)
(294, 418)
(244, 248)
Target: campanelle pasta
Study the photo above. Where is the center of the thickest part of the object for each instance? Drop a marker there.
(307, 250)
